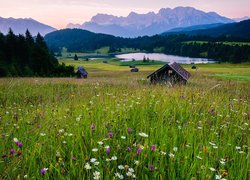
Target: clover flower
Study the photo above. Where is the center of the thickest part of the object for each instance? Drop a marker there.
(12, 151)
(151, 168)
(43, 170)
(138, 150)
(111, 135)
(153, 148)
(20, 144)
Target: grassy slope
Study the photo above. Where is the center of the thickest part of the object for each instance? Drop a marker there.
(198, 126)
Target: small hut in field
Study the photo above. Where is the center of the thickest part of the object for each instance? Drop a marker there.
(81, 72)
(171, 73)
(134, 70)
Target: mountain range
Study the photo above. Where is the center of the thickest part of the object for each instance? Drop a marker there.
(150, 23)
(20, 25)
(239, 29)
(133, 25)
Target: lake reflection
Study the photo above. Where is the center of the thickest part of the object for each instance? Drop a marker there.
(163, 57)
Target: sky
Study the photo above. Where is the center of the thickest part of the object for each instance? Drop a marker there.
(58, 13)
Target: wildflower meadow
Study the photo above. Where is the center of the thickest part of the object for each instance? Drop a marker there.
(116, 125)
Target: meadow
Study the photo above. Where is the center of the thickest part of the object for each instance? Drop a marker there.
(116, 125)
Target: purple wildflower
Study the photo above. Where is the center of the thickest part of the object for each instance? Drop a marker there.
(43, 170)
(151, 168)
(138, 150)
(20, 144)
(129, 130)
(73, 158)
(108, 150)
(129, 149)
(12, 151)
(92, 126)
(153, 148)
(110, 134)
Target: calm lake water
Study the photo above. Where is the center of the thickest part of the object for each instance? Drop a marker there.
(163, 57)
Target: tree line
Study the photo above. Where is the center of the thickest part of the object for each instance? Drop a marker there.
(76, 40)
(23, 55)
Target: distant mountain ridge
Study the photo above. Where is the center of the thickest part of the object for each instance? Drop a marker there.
(240, 29)
(20, 25)
(151, 23)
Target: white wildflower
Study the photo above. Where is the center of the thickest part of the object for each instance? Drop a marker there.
(96, 163)
(215, 147)
(114, 158)
(61, 131)
(120, 167)
(129, 173)
(175, 149)
(42, 134)
(120, 176)
(100, 142)
(142, 134)
(92, 160)
(94, 149)
(78, 119)
(131, 170)
(123, 137)
(211, 143)
(171, 155)
(223, 162)
(87, 166)
(58, 154)
(212, 169)
(96, 175)
(137, 162)
(163, 153)
(237, 147)
(198, 157)
(15, 140)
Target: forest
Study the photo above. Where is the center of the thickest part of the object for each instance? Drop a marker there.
(76, 40)
(25, 56)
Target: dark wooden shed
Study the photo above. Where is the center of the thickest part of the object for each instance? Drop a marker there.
(171, 73)
(81, 72)
(134, 70)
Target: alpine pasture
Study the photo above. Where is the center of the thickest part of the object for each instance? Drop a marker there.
(116, 125)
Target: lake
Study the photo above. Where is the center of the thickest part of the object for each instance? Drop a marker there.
(163, 57)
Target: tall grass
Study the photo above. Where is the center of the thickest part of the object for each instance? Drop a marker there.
(121, 126)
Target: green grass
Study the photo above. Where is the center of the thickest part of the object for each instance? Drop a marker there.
(194, 128)
(241, 77)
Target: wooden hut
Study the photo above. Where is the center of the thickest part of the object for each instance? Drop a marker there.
(81, 72)
(171, 73)
(134, 70)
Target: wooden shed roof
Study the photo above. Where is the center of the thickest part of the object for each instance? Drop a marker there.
(176, 67)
